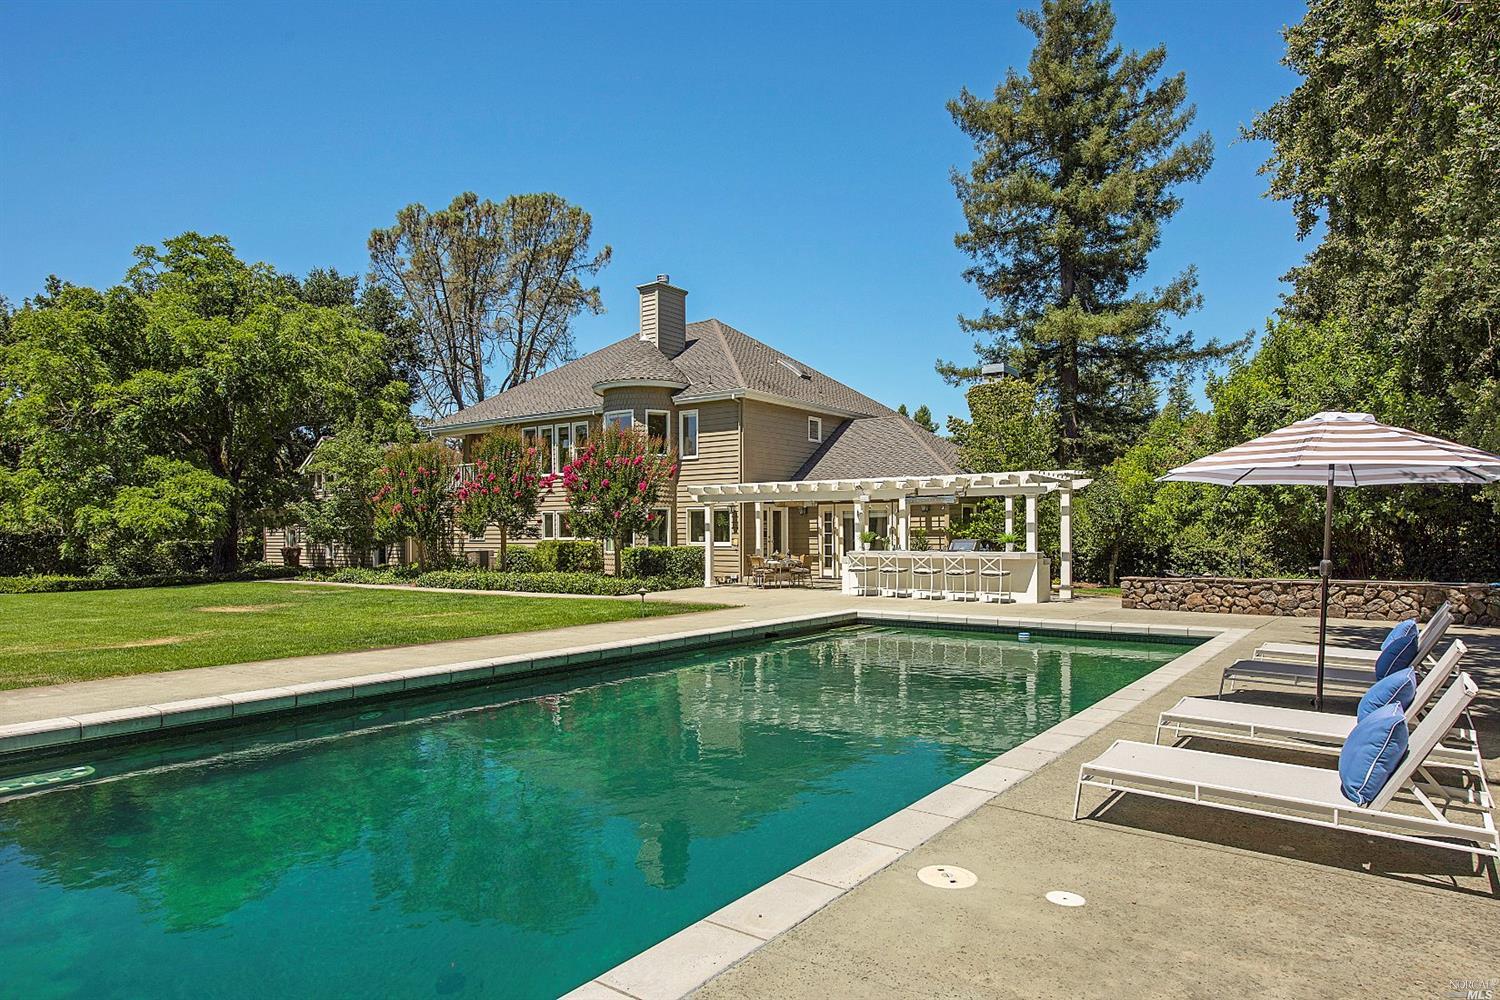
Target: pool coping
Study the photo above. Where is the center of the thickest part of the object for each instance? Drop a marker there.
(684, 961)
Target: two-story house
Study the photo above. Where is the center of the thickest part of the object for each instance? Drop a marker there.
(735, 410)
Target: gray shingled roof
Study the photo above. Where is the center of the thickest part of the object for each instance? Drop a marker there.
(871, 447)
(717, 359)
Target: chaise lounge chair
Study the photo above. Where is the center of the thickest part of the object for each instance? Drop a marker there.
(1339, 677)
(1313, 795)
(1318, 732)
(1354, 656)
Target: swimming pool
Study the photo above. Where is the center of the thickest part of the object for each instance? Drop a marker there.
(471, 844)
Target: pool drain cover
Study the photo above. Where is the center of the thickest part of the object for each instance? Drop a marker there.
(1062, 898)
(947, 876)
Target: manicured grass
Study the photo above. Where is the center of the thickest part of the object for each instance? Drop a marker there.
(52, 638)
(1094, 590)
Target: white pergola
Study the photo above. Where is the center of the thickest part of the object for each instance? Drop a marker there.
(906, 490)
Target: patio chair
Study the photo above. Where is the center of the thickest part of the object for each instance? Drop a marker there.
(758, 571)
(1352, 656)
(1316, 732)
(800, 574)
(1313, 795)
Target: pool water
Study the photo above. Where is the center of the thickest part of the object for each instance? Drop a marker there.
(471, 844)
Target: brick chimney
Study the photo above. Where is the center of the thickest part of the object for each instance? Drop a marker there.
(664, 315)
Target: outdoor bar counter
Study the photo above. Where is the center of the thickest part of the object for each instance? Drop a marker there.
(949, 575)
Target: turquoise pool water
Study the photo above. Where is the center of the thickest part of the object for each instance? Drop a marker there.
(470, 844)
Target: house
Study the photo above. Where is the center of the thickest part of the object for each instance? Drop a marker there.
(776, 457)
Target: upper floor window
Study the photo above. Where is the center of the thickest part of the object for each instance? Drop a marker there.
(687, 436)
(814, 428)
(658, 423)
(620, 420)
(563, 453)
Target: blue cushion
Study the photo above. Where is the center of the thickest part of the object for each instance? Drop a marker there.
(1399, 649)
(1398, 688)
(1371, 754)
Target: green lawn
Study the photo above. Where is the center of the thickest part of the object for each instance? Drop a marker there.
(52, 638)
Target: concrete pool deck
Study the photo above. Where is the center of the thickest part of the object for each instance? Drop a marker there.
(1181, 901)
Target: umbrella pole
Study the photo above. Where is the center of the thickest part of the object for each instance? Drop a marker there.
(1325, 570)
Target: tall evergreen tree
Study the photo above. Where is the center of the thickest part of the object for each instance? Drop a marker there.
(1078, 159)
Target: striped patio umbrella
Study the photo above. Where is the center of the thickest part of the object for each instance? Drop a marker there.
(1340, 449)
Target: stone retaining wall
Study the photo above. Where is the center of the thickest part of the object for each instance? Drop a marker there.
(1377, 600)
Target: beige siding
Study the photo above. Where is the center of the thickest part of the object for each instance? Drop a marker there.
(718, 461)
(776, 443)
(273, 540)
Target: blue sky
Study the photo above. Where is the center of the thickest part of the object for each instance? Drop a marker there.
(787, 164)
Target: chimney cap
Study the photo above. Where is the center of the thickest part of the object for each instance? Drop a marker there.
(665, 279)
(996, 370)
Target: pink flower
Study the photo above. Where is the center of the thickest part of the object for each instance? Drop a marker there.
(604, 484)
(617, 515)
(643, 486)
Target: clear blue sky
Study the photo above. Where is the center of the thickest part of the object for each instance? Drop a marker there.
(787, 164)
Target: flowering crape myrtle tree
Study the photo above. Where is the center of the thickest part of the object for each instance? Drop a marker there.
(613, 484)
(504, 488)
(415, 498)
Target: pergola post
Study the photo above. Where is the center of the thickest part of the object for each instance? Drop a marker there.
(1031, 541)
(1010, 522)
(708, 546)
(1065, 544)
(760, 528)
(903, 522)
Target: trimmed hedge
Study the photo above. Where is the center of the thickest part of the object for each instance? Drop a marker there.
(684, 561)
(532, 583)
(558, 555)
(519, 560)
(56, 584)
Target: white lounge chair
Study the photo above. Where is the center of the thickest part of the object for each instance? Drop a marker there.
(1325, 732)
(1339, 677)
(1352, 656)
(1312, 795)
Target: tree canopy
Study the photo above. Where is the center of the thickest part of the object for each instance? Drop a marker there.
(489, 285)
(197, 367)
(1078, 163)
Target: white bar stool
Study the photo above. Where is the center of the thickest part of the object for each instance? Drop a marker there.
(990, 570)
(957, 567)
(924, 568)
(890, 577)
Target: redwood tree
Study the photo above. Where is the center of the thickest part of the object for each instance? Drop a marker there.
(614, 483)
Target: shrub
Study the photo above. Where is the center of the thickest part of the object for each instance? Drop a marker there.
(109, 578)
(550, 583)
(684, 561)
(519, 560)
(556, 555)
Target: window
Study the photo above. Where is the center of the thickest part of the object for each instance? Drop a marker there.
(658, 529)
(564, 526)
(549, 441)
(548, 526)
(697, 526)
(477, 536)
(293, 537)
(687, 434)
(658, 426)
(722, 525)
(580, 437)
(620, 420)
(814, 428)
(564, 453)
(528, 437)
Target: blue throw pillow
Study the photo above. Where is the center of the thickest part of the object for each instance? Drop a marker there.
(1398, 688)
(1399, 649)
(1371, 754)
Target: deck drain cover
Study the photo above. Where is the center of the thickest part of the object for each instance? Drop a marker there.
(947, 876)
(1062, 898)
